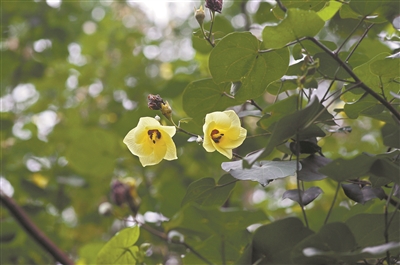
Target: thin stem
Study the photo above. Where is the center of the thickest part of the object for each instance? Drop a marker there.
(24, 220)
(386, 232)
(227, 95)
(348, 37)
(358, 43)
(164, 236)
(299, 186)
(287, 45)
(223, 249)
(237, 156)
(252, 102)
(357, 79)
(212, 13)
(330, 103)
(227, 184)
(182, 130)
(281, 6)
(333, 203)
(381, 87)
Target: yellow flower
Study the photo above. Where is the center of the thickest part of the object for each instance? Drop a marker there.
(151, 142)
(222, 132)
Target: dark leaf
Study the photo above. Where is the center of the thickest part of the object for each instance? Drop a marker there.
(310, 168)
(342, 169)
(307, 196)
(275, 241)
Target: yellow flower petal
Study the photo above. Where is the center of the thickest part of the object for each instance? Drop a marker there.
(222, 132)
(151, 142)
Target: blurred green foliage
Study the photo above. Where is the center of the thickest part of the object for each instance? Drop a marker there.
(75, 76)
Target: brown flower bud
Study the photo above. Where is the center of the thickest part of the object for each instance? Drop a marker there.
(214, 5)
(124, 192)
(200, 15)
(155, 102)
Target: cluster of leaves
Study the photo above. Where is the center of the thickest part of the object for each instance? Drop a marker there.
(313, 83)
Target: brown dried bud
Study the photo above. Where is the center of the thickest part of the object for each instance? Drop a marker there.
(124, 192)
(214, 5)
(155, 102)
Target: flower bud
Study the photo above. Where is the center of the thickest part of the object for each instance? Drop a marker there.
(166, 110)
(214, 5)
(157, 118)
(200, 15)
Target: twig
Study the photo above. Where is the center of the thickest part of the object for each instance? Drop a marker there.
(333, 203)
(252, 102)
(281, 6)
(299, 107)
(357, 79)
(358, 43)
(24, 220)
(386, 232)
(164, 236)
(348, 37)
(287, 45)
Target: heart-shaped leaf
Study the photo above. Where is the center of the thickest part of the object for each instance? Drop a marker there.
(206, 192)
(307, 196)
(262, 171)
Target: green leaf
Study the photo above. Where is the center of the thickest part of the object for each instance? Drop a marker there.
(205, 96)
(234, 248)
(376, 83)
(329, 67)
(206, 192)
(369, 229)
(275, 241)
(332, 237)
(120, 249)
(385, 168)
(329, 10)
(342, 169)
(366, 104)
(387, 67)
(280, 86)
(221, 27)
(363, 7)
(390, 135)
(237, 58)
(264, 13)
(276, 111)
(297, 24)
(288, 125)
(262, 171)
(206, 222)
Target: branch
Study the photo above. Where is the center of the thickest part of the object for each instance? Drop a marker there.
(281, 6)
(24, 220)
(164, 236)
(356, 79)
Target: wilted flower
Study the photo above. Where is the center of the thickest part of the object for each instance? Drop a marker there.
(151, 141)
(155, 102)
(222, 132)
(214, 5)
